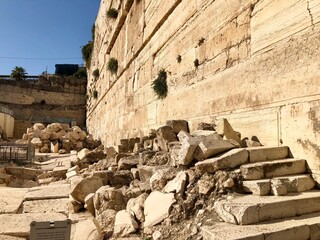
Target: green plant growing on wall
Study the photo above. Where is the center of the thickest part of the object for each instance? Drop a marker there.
(112, 13)
(113, 65)
(96, 73)
(95, 94)
(196, 63)
(18, 73)
(87, 53)
(159, 85)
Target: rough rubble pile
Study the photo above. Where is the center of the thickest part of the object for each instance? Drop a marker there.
(58, 137)
(163, 185)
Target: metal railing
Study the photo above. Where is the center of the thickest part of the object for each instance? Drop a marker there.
(18, 153)
(5, 110)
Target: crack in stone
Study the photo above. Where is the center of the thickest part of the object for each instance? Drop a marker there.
(311, 16)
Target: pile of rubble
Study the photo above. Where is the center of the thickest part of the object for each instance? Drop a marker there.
(58, 137)
(167, 180)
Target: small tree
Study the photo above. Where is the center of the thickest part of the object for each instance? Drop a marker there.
(18, 73)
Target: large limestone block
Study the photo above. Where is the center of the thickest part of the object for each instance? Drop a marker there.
(11, 199)
(257, 187)
(231, 159)
(86, 186)
(210, 148)
(83, 153)
(124, 224)
(297, 183)
(178, 125)
(87, 230)
(106, 222)
(224, 128)
(165, 135)
(157, 207)
(135, 207)
(89, 203)
(177, 185)
(46, 206)
(48, 192)
(186, 152)
(19, 224)
(161, 177)
(250, 209)
(276, 168)
(126, 163)
(261, 154)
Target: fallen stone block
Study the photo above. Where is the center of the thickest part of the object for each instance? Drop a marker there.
(87, 229)
(84, 187)
(261, 154)
(165, 135)
(124, 224)
(11, 199)
(224, 128)
(46, 206)
(231, 159)
(157, 207)
(210, 148)
(48, 192)
(276, 168)
(257, 187)
(106, 222)
(178, 125)
(176, 185)
(135, 207)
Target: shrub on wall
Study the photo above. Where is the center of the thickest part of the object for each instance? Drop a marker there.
(81, 73)
(87, 53)
(159, 85)
(112, 13)
(113, 65)
(196, 63)
(96, 73)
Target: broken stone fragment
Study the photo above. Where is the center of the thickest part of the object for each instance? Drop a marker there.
(165, 135)
(211, 148)
(224, 128)
(178, 125)
(206, 126)
(126, 163)
(231, 159)
(176, 185)
(135, 207)
(157, 207)
(89, 203)
(124, 224)
(86, 186)
(161, 177)
(106, 222)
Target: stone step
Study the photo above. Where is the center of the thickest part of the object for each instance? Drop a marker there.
(304, 227)
(250, 209)
(276, 168)
(262, 154)
(48, 192)
(295, 183)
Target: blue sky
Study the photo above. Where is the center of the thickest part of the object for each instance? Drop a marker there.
(54, 29)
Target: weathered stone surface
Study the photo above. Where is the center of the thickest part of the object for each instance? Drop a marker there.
(126, 163)
(303, 227)
(165, 135)
(210, 148)
(176, 185)
(23, 173)
(87, 230)
(19, 224)
(157, 207)
(135, 207)
(275, 168)
(187, 149)
(121, 178)
(249, 209)
(48, 192)
(107, 197)
(224, 128)
(160, 178)
(231, 159)
(89, 203)
(178, 125)
(260, 154)
(46, 206)
(206, 126)
(278, 188)
(146, 172)
(297, 183)
(11, 199)
(106, 222)
(83, 153)
(86, 186)
(124, 224)
(257, 187)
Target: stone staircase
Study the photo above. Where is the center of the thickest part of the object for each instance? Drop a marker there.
(282, 202)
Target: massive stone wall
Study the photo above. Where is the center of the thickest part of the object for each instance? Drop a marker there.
(258, 66)
(39, 101)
